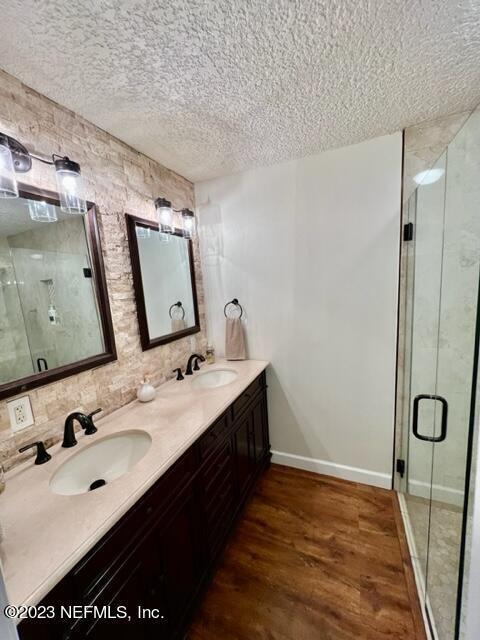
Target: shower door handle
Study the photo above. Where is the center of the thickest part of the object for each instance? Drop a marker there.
(39, 364)
(443, 428)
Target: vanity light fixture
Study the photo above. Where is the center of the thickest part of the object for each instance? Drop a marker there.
(166, 222)
(41, 211)
(165, 215)
(15, 158)
(188, 220)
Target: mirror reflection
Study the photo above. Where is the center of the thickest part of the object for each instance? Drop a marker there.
(49, 315)
(164, 283)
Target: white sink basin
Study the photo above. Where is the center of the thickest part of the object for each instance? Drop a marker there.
(215, 378)
(106, 459)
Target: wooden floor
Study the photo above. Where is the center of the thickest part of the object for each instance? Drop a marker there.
(313, 558)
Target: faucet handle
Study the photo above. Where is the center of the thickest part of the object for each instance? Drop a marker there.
(178, 371)
(42, 455)
(90, 429)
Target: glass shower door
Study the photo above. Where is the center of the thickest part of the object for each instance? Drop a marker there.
(426, 409)
(442, 315)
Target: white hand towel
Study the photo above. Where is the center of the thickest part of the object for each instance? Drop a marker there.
(178, 324)
(234, 340)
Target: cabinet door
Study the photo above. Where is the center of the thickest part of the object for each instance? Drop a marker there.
(244, 453)
(182, 556)
(133, 588)
(46, 629)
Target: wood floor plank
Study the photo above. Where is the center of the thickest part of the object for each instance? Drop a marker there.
(312, 558)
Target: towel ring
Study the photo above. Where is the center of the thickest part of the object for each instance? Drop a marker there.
(180, 306)
(236, 303)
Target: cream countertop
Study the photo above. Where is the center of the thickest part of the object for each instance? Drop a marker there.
(47, 534)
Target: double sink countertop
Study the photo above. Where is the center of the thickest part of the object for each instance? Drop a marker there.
(46, 534)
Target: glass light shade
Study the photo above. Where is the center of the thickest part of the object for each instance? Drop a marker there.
(143, 232)
(41, 211)
(165, 215)
(70, 187)
(8, 181)
(189, 224)
(164, 237)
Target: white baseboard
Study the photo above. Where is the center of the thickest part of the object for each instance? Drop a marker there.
(364, 476)
(439, 492)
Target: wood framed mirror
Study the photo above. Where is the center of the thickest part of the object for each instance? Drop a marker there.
(164, 283)
(55, 318)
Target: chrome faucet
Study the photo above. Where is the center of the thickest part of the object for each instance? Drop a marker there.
(85, 422)
(196, 357)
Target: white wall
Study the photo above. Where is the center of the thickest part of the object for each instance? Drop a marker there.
(310, 248)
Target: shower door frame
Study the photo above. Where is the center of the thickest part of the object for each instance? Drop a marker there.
(468, 468)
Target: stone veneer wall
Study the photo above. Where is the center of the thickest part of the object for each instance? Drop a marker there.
(119, 180)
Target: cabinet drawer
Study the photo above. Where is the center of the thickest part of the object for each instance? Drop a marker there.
(218, 508)
(217, 469)
(247, 396)
(214, 436)
(219, 517)
(218, 493)
(218, 537)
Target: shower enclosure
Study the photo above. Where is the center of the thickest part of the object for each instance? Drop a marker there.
(437, 375)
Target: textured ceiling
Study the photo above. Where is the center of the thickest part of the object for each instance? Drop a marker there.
(209, 87)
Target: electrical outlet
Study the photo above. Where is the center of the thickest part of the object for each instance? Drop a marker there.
(20, 413)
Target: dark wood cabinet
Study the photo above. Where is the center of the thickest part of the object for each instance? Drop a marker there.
(151, 567)
(181, 554)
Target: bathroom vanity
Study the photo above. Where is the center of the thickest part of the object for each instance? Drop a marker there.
(159, 555)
